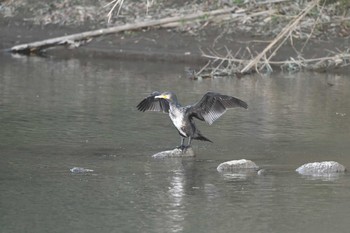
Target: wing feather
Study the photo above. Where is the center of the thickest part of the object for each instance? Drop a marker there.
(150, 103)
(213, 105)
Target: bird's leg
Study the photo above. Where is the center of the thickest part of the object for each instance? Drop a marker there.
(182, 146)
(189, 142)
(182, 142)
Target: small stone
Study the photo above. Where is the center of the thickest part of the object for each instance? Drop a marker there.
(80, 170)
(242, 165)
(321, 168)
(261, 172)
(176, 153)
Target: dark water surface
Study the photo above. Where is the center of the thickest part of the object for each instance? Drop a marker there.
(60, 114)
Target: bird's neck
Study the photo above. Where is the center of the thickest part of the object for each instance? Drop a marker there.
(174, 105)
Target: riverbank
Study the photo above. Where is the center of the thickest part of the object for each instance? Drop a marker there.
(244, 37)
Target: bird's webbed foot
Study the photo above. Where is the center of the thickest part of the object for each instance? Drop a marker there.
(183, 148)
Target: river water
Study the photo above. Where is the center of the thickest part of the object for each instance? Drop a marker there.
(58, 114)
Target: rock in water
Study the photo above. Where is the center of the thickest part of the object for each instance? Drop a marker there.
(321, 168)
(237, 166)
(80, 170)
(176, 153)
(261, 172)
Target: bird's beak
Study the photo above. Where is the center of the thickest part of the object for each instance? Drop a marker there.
(162, 97)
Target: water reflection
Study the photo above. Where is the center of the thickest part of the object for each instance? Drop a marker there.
(176, 195)
(238, 176)
(324, 177)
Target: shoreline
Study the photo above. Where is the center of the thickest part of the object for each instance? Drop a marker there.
(169, 44)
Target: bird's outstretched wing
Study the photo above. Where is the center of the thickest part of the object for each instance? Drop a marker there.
(213, 105)
(152, 104)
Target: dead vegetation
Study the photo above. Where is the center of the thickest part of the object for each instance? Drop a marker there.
(230, 64)
(306, 23)
(285, 21)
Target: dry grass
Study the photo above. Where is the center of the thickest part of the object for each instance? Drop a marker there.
(285, 20)
(114, 4)
(230, 64)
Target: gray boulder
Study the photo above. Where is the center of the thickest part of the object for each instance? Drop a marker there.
(238, 166)
(176, 153)
(321, 168)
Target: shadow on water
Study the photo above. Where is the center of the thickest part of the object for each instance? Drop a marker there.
(60, 114)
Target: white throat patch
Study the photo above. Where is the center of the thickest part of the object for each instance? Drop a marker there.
(177, 121)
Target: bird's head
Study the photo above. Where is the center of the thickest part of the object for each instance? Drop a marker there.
(170, 96)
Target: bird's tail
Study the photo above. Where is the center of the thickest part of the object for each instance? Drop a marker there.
(202, 138)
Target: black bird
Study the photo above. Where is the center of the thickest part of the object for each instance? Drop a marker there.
(208, 109)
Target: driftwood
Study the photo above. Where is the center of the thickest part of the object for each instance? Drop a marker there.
(78, 39)
(230, 65)
(281, 37)
(237, 65)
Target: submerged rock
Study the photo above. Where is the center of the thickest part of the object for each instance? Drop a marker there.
(261, 172)
(238, 166)
(176, 153)
(321, 168)
(80, 170)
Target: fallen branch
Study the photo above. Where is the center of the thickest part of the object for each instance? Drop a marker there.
(233, 64)
(343, 56)
(78, 39)
(283, 35)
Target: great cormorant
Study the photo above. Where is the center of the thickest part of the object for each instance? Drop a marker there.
(208, 109)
